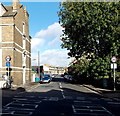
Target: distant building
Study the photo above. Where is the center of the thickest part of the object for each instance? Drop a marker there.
(50, 69)
(15, 42)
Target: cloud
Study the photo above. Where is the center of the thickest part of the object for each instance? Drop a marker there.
(36, 43)
(54, 57)
(55, 42)
(52, 31)
(49, 37)
(48, 43)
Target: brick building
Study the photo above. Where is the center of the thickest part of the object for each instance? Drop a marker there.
(15, 42)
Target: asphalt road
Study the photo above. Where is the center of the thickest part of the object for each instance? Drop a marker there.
(59, 98)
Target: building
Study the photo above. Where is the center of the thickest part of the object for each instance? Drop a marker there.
(50, 69)
(15, 42)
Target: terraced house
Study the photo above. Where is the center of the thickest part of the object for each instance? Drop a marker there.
(15, 42)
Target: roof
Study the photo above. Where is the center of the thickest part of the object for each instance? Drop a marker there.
(10, 12)
(3, 6)
(8, 7)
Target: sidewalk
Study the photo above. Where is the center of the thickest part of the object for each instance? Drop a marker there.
(18, 89)
(115, 95)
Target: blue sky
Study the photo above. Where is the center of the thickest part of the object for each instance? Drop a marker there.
(45, 31)
(42, 14)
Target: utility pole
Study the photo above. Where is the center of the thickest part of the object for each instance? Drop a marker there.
(39, 64)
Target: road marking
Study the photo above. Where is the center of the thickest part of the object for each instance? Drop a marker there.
(107, 99)
(63, 95)
(53, 98)
(90, 110)
(114, 103)
(14, 108)
(69, 97)
(82, 101)
(62, 91)
(60, 85)
(19, 99)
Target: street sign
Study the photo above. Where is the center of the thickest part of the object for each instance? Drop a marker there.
(8, 58)
(113, 66)
(8, 64)
(113, 59)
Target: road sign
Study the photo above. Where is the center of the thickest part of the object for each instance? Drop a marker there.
(8, 64)
(113, 59)
(8, 58)
(113, 66)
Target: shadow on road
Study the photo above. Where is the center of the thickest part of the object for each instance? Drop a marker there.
(58, 79)
(53, 102)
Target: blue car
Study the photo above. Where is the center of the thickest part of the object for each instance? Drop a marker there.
(46, 79)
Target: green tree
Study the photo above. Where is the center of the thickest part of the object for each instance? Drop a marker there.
(90, 27)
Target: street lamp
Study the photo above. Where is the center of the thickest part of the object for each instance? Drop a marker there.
(39, 65)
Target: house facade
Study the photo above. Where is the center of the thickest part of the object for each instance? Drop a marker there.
(15, 42)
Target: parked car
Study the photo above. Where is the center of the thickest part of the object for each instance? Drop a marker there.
(46, 79)
(54, 75)
(70, 78)
(66, 77)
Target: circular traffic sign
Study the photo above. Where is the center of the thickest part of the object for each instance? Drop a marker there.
(113, 59)
(8, 58)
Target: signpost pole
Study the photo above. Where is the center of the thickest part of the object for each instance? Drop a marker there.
(8, 72)
(114, 66)
(8, 59)
(114, 75)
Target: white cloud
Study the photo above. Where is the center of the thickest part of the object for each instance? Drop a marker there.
(52, 31)
(36, 43)
(53, 57)
(55, 42)
(46, 41)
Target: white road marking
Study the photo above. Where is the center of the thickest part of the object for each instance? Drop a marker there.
(114, 103)
(82, 101)
(60, 85)
(62, 91)
(90, 110)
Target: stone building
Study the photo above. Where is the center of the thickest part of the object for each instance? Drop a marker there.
(15, 42)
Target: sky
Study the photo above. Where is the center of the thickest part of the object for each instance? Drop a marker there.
(45, 32)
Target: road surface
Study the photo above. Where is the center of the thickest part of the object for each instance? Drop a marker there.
(59, 98)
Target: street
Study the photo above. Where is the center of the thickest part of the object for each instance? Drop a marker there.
(59, 98)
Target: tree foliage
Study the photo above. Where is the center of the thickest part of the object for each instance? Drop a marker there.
(90, 27)
(79, 67)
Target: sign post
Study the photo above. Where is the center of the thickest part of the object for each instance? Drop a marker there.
(114, 66)
(8, 59)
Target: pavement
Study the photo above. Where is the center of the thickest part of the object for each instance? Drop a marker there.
(115, 95)
(18, 89)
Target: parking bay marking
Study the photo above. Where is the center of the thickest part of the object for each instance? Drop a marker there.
(90, 110)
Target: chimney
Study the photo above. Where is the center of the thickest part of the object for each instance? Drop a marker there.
(16, 5)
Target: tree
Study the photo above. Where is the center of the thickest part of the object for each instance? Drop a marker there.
(90, 27)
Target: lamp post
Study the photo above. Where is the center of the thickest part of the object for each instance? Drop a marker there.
(39, 64)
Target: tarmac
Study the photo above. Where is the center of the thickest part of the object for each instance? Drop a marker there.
(115, 95)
